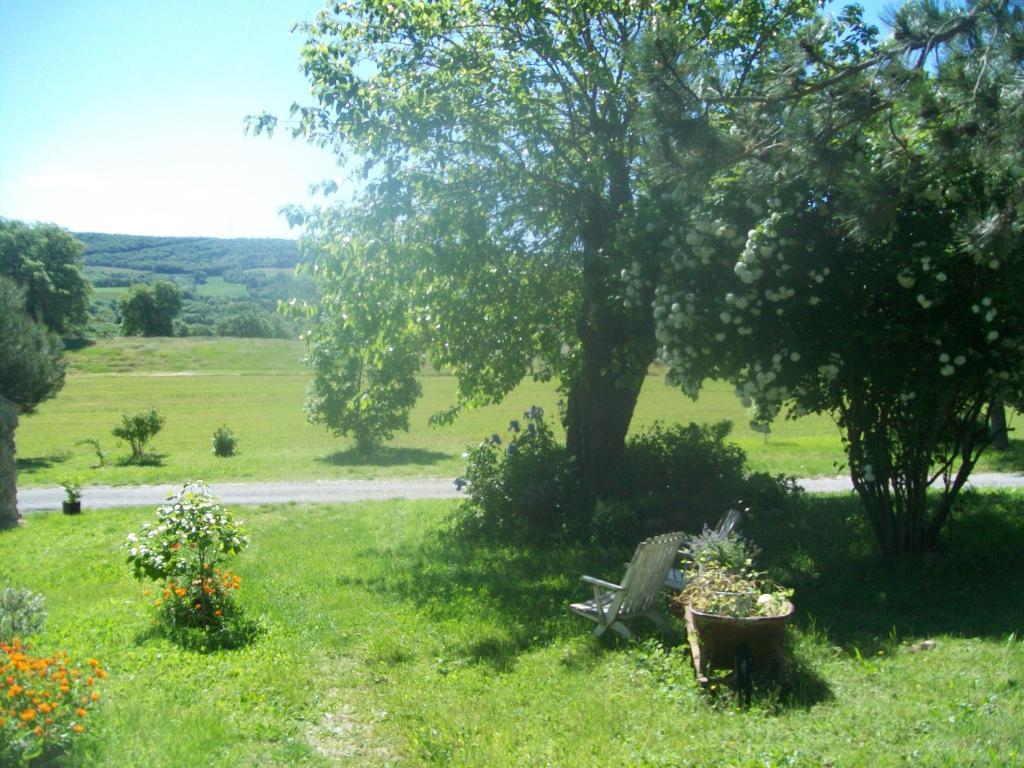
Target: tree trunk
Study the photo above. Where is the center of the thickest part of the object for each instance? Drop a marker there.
(997, 425)
(8, 469)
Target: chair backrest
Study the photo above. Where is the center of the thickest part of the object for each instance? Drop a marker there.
(645, 575)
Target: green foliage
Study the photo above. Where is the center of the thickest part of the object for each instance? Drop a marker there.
(680, 477)
(46, 261)
(527, 489)
(363, 350)
(224, 442)
(137, 429)
(22, 613)
(101, 455)
(31, 358)
(185, 255)
(150, 310)
(251, 321)
(725, 549)
(72, 489)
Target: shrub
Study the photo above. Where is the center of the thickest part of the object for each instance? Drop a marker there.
(44, 702)
(224, 442)
(22, 613)
(194, 536)
(137, 429)
(525, 488)
(713, 547)
(684, 477)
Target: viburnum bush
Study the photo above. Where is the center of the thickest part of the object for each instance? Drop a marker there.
(45, 702)
(193, 538)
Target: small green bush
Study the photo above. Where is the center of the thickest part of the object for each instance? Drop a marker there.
(22, 613)
(525, 488)
(224, 442)
(137, 429)
(194, 536)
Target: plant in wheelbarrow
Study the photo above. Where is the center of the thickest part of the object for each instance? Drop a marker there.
(735, 616)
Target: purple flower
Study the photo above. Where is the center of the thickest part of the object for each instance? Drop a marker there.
(460, 483)
(514, 425)
(495, 439)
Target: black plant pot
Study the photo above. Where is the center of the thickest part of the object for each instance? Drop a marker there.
(72, 507)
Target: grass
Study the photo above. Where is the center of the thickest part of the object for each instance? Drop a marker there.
(387, 643)
(256, 387)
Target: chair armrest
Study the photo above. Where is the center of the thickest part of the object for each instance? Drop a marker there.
(601, 583)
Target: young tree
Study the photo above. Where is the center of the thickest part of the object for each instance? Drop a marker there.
(149, 310)
(870, 267)
(507, 188)
(46, 261)
(137, 429)
(31, 370)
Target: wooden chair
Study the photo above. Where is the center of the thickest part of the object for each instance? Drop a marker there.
(640, 591)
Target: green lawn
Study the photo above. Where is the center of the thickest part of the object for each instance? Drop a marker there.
(389, 644)
(256, 387)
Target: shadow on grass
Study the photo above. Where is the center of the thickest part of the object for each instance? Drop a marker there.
(385, 456)
(147, 460)
(30, 464)
(971, 587)
(519, 597)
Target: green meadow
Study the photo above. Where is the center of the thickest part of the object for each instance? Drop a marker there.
(386, 642)
(256, 388)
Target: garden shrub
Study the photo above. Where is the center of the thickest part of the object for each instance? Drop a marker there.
(22, 613)
(672, 478)
(194, 537)
(685, 477)
(137, 429)
(44, 702)
(224, 442)
(525, 488)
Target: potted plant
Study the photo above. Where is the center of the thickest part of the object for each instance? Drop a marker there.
(735, 616)
(72, 496)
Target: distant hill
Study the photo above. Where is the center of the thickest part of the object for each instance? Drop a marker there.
(186, 255)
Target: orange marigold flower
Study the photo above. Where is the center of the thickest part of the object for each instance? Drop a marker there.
(95, 696)
(28, 714)
(81, 712)
(77, 728)
(14, 690)
(218, 613)
(181, 591)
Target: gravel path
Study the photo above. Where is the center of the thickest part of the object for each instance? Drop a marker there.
(336, 491)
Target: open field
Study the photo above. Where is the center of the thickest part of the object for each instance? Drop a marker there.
(256, 387)
(386, 644)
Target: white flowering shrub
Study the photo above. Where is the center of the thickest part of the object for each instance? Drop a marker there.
(869, 268)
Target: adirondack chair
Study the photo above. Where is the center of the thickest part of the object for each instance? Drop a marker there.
(615, 604)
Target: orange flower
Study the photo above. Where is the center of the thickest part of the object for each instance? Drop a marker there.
(14, 690)
(181, 591)
(218, 613)
(77, 728)
(81, 712)
(38, 730)
(28, 714)
(95, 696)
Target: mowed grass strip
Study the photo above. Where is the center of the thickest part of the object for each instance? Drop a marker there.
(388, 643)
(256, 387)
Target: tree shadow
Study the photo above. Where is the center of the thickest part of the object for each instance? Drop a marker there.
(30, 464)
(384, 456)
(519, 596)
(970, 587)
(147, 460)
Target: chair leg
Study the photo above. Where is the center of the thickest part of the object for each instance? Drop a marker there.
(622, 629)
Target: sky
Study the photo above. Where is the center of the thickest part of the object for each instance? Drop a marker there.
(127, 116)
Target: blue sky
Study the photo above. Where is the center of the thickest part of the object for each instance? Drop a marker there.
(127, 116)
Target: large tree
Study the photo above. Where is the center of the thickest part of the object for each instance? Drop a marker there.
(46, 261)
(506, 186)
(31, 370)
(870, 265)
